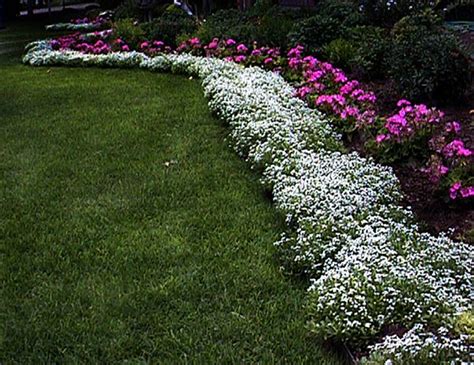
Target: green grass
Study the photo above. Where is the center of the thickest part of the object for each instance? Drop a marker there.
(130, 232)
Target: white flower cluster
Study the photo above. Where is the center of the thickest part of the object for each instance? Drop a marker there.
(82, 27)
(419, 346)
(370, 265)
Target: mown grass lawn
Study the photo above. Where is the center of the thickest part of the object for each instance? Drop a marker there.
(129, 231)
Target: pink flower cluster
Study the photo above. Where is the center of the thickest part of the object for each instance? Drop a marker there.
(330, 89)
(449, 155)
(96, 43)
(409, 120)
(153, 48)
(457, 191)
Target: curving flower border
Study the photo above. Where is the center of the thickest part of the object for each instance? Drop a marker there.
(370, 265)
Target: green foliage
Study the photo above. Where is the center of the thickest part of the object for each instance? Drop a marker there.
(316, 31)
(426, 62)
(371, 47)
(345, 11)
(331, 22)
(340, 53)
(168, 29)
(275, 24)
(127, 9)
(229, 23)
(129, 31)
(379, 12)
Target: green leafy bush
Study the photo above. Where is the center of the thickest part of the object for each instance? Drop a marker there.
(275, 24)
(340, 52)
(347, 12)
(427, 62)
(127, 9)
(331, 22)
(371, 47)
(129, 32)
(168, 29)
(229, 23)
(316, 31)
(383, 12)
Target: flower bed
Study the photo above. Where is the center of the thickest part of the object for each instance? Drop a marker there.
(370, 266)
(415, 132)
(81, 25)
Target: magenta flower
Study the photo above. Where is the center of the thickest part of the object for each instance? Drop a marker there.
(453, 190)
(214, 44)
(453, 127)
(403, 102)
(230, 42)
(125, 48)
(456, 148)
(240, 58)
(467, 192)
(144, 45)
(268, 60)
(241, 48)
(381, 137)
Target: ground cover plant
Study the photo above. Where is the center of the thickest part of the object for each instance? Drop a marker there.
(371, 267)
(129, 232)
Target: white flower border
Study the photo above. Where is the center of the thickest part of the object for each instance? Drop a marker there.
(83, 27)
(370, 265)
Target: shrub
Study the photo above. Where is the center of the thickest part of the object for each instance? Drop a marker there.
(331, 22)
(129, 32)
(345, 11)
(383, 12)
(169, 29)
(315, 32)
(229, 23)
(371, 46)
(127, 9)
(275, 33)
(427, 62)
(340, 52)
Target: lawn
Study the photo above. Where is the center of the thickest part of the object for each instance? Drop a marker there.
(129, 231)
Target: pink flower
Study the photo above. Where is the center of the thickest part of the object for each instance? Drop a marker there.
(194, 41)
(340, 77)
(456, 147)
(453, 127)
(125, 48)
(214, 43)
(268, 60)
(230, 42)
(241, 48)
(144, 45)
(453, 190)
(303, 91)
(158, 44)
(240, 58)
(256, 52)
(294, 63)
(403, 102)
(381, 137)
(467, 192)
(443, 170)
